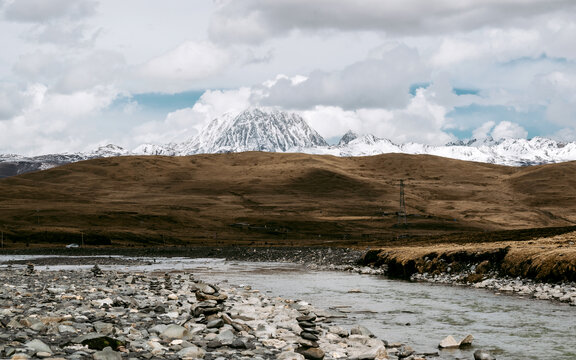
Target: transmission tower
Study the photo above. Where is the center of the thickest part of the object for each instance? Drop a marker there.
(402, 210)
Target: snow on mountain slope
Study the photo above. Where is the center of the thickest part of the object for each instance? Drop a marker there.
(512, 152)
(276, 131)
(255, 130)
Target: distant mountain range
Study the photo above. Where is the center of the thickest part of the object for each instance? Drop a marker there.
(277, 131)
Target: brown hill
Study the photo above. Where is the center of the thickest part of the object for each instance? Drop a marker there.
(279, 198)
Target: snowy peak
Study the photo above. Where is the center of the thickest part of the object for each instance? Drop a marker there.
(109, 150)
(349, 136)
(256, 130)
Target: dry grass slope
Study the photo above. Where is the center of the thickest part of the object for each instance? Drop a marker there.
(290, 199)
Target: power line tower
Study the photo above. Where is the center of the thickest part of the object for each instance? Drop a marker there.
(402, 210)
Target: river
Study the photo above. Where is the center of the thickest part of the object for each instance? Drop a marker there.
(418, 314)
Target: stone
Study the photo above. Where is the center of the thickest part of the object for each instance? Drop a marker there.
(306, 324)
(290, 355)
(309, 317)
(226, 337)
(309, 336)
(20, 356)
(206, 289)
(216, 323)
(483, 355)
(467, 341)
(156, 348)
(308, 343)
(191, 352)
(174, 331)
(107, 354)
(38, 346)
(405, 351)
(157, 329)
(361, 330)
(66, 329)
(311, 353)
(340, 331)
(103, 328)
(448, 342)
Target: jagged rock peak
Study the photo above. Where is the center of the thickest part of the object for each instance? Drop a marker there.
(109, 151)
(349, 136)
(258, 130)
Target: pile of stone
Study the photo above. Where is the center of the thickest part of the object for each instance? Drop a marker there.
(310, 335)
(29, 270)
(74, 315)
(97, 271)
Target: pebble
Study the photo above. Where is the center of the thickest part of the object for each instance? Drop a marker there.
(111, 316)
(565, 292)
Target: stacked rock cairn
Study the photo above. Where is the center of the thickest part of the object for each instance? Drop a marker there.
(29, 270)
(97, 271)
(309, 347)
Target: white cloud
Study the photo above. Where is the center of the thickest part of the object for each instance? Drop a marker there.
(57, 21)
(484, 130)
(178, 69)
(70, 72)
(333, 121)
(422, 120)
(376, 82)
(53, 122)
(254, 21)
(507, 129)
(41, 11)
(487, 45)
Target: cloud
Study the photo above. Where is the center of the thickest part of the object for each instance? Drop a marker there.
(254, 21)
(58, 21)
(53, 122)
(484, 130)
(68, 72)
(507, 129)
(42, 11)
(421, 120)
(12, 100)
(178, 69)
(376, 82)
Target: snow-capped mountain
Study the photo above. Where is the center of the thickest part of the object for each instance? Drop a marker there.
(276, 131)
(255, 130)
(11, 165)
(347, 138)
(512, 152)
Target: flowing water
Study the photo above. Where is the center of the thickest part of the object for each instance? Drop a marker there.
(418, 314)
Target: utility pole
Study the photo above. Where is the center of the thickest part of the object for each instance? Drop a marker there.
(402, 210)
(82, 234)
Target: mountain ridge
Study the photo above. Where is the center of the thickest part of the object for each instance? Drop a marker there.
(278, 131)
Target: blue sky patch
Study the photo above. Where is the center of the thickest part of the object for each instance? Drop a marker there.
(475, 115)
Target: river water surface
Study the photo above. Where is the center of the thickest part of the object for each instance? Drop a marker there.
(418, 314)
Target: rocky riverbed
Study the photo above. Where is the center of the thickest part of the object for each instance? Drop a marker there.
(563, 292)
(90, 314)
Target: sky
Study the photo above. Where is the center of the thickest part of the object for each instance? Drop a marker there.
(78, 74)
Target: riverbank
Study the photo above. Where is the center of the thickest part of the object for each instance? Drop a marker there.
(318, 256)
(543, 268)
(127, 315)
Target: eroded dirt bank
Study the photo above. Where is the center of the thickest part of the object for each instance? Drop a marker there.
(551, 259)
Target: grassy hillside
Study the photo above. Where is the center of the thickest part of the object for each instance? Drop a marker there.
(291, 199)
